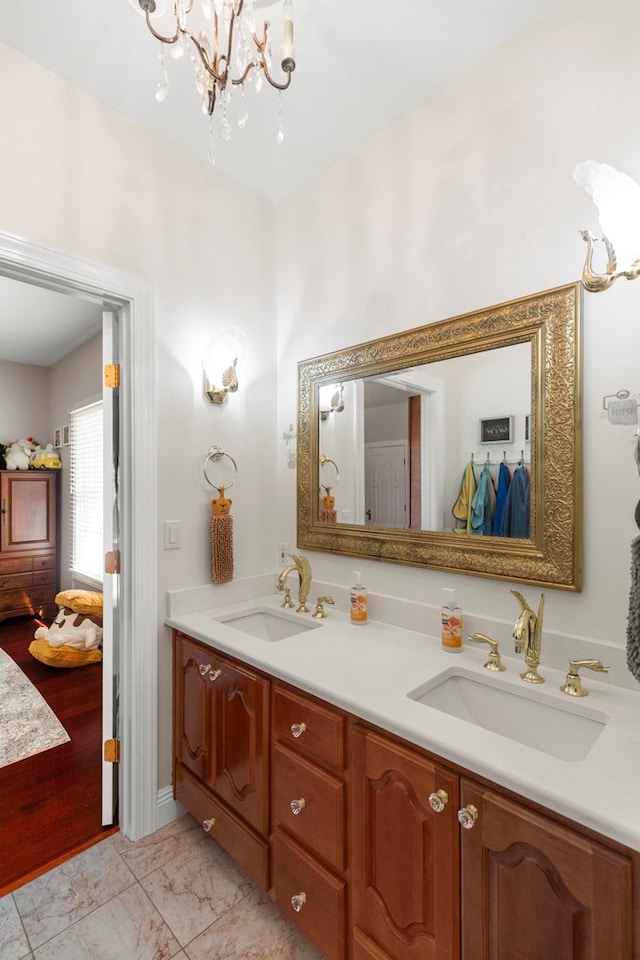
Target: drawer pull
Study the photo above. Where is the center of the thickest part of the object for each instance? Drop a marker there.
(297, 729)
(297, 806)
(208, 824)
(298, 901)
(438, 800)
(468, 816)
(3, 583)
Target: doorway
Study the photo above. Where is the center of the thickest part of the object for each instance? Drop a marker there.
(133, 299)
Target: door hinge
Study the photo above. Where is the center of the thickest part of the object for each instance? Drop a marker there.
(112, 561)
(112, 375)
(112, 751)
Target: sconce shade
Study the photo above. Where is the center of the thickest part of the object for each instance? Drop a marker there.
(617, 197)
(219, 364)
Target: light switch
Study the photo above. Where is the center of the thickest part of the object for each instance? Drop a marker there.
(172, 534)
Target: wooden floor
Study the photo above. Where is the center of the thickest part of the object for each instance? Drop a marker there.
(50, 804)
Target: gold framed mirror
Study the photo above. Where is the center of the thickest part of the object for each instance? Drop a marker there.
(502, 384)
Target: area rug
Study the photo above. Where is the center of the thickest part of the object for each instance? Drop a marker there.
(28, 725)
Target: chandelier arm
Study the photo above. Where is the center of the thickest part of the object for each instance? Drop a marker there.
(244, 76)
(159, 36)
(274, 83)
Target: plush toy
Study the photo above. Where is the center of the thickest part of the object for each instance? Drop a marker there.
(3, 462)
(72, 629)
(18, 454)
(46, 459)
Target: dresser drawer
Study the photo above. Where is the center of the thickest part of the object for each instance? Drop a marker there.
(15, 581)
(321, 896)
(320, 823)
(45, 563)
(309, 728)
(44, 576)
(16, 565)
(19, 601)
(250, 851)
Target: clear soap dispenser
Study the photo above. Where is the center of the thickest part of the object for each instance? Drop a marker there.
(452, 622)
(359, 600)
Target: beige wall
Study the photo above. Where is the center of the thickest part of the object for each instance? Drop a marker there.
(23, 402)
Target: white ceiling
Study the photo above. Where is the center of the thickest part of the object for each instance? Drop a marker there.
(360, 65)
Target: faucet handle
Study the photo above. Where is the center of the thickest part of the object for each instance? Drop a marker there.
(572, 685)
(287, 602)
(319, 612)
(494, 662)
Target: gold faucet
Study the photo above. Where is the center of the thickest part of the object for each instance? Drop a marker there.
(527, 635)
(302, 567)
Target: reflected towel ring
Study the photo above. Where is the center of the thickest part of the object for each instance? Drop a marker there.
(214, 455)
(326, 487)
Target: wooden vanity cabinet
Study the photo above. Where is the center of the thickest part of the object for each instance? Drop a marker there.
(309, 813)
(28, 564)
(221, 751)
(374, 865)
(405, 884)
(535, 889)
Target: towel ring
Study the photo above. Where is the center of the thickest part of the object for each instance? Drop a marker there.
(215, 455)
(324, 460)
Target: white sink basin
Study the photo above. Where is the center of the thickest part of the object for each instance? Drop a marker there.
(268, 624)
(531, 717)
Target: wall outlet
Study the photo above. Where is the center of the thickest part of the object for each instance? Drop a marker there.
(283, 552)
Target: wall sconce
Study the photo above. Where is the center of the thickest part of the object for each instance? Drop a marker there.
(617, 197)
(330, 400)
(219, 363)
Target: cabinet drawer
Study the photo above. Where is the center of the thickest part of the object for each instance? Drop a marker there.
(321, 730)
(44, 563)
(320, 824)
(250, 851)
(44, 576)
(17, 565)
(322, 915)
(15, 581)
(21, 601)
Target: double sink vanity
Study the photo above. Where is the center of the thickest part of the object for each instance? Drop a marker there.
(400, 802)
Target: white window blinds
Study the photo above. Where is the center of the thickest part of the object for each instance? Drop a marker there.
(85, 481)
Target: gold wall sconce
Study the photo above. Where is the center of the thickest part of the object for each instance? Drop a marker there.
(617, 197)
(330, 400)
(219, 364)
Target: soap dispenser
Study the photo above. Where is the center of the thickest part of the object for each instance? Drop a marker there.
(451, 618)
(359, 600)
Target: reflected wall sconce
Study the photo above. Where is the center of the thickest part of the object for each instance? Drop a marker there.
(617, 197)
(330, 400)
(220, 361)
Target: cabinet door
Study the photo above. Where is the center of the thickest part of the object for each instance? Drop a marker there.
(194, 675)
(535, 890)
(28, 510)
(405, 856)
(242, 743)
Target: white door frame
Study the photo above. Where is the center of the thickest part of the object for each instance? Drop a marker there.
(135, 298)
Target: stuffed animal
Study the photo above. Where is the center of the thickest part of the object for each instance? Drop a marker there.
(46, 459)
(3, 462)
(77, 630)
(18, 455)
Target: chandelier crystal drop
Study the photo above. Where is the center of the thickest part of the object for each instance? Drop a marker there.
(226, 52)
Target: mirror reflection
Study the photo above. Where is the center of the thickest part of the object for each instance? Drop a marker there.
(434, 447)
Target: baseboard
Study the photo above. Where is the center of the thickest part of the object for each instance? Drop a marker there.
(167, 808)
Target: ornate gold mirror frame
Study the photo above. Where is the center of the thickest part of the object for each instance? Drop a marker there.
(550, 322)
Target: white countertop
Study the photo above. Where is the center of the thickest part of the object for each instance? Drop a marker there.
(369, 670)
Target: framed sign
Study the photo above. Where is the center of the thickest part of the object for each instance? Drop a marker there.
(496, 430)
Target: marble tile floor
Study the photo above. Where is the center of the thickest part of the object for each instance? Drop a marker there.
(175, 895)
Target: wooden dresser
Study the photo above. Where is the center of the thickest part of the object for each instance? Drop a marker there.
(28, 568)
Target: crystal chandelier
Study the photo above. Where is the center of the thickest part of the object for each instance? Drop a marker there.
(226, 52)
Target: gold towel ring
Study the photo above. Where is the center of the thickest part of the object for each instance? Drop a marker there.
(324, 460)
(215, 455)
